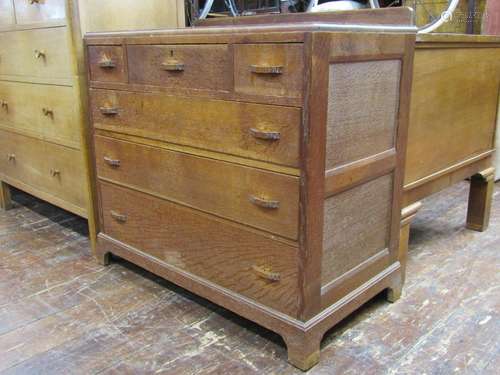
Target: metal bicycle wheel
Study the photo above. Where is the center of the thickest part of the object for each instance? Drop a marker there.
(230, 4)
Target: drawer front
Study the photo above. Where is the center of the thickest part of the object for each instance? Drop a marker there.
(261, 132)
(34, 11)
(269, 69)
(197, 67)
(41, 53)
(106, 64)
(240, 260)
(22, 158)
(44, 110)
(224, 189)
(56, 170)
(6, 13)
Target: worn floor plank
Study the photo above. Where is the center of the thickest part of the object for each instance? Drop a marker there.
(62, 313)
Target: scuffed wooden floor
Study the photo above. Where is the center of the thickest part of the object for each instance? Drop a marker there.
(61, 313)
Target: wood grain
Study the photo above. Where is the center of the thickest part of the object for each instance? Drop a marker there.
(203, 246)
(42, 11)
(115, 55)
(217, 187)
(222, 126)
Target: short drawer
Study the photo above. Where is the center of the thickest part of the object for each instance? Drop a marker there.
(49, 111)
(197, 67)
(261, 199)
(269, 69)
(54, 169)
(34, 11)
(107, 64)
(243, 261)
(41, 53)
(261, 132)
(6, 13)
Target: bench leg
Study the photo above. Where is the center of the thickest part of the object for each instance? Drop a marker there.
(303, 350)
(407, 216)
(5, 197)
(480, 195)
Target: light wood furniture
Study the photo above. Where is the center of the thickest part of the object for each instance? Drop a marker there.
(260, 167)
(43, 138)
(117, 15)
(451, 135)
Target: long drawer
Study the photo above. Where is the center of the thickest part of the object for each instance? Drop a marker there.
(48, 111)
(54, 169)
(40, 53)
(262, 132)
(258, 267)
(261, 199)
(30, 11)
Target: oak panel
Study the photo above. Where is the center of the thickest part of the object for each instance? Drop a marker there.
(213, 186)
(28, 11)
(21, 58)
(252, 60)
(27, 109)
(222, 126)
(456, 119)
(203, 246)
(107, 64)
(197, 67)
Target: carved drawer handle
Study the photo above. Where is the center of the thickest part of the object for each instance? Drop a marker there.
(34, 2)
(39, 54)
(172, 66)
(106, 63)
(109, 111)
(265, 203)
(263, 134)
(4, 104)
(112, 162)
(55, 172)
(11, 157)
(47, 112)
(118, 217)
(266, 69)
(266, 273)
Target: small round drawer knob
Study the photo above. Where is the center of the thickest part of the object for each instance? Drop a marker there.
(39, 54)
(11, 157)
(55, 172)
(47, 112)
(4, 104)
(34, 2)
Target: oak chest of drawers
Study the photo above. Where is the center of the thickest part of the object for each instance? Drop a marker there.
(259, 167)
(43, 137)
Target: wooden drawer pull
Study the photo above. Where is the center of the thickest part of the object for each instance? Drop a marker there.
(266, 273)
(47, 112)
(39, 54)
(106, 63)
(172, 66)
(265, 203)
(109, 111)
(4, 104)
(266, 69)
(263, 134)
(34, 2)
(11, 157)
(118, 217)
(112, 162)
(55, 172)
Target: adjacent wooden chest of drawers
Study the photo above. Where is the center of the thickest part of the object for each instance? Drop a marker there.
(43, 136)
(260, 167)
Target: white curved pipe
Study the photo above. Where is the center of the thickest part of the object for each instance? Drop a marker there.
(206, 9)
(445, 17)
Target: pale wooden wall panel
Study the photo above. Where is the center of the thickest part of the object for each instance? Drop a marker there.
(362, 109)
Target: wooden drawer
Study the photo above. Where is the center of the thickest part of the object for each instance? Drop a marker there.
(106, 64)
(6, 13)
(48, 111)
(29, 11)
(204, 246)
(54, 169)
(269, 69)
(224, 189)
(39, 53)
(224, 126)
(196, 67)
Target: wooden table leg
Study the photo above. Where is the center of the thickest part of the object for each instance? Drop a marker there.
(480, 195)
(5, 197)
(303, 350)
(407, 216)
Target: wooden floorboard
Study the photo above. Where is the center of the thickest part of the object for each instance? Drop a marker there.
(62, 313)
